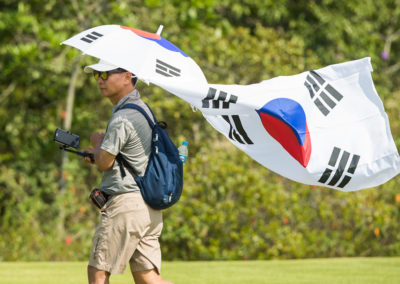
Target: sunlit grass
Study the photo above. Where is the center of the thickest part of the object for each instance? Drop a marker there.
(309, 271)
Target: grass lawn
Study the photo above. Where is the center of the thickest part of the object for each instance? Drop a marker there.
(309, 271)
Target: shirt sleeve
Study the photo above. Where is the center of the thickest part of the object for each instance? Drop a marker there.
(116, 135)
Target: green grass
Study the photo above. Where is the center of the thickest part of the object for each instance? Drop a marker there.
(309, 271)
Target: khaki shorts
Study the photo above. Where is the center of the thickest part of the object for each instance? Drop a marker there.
(128, 232)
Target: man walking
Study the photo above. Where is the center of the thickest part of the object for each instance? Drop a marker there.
(129, 229)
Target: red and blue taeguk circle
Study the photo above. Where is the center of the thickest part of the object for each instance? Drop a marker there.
(285, 120)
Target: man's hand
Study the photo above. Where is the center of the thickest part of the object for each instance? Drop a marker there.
(87, 159)
(102, 159)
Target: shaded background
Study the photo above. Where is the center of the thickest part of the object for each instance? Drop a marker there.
(232, 207)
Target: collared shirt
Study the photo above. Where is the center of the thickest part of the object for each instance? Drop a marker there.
(128, 133)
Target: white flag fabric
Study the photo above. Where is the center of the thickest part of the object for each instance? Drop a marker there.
(324, 127)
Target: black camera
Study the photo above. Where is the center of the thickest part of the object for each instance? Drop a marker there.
(67, 139)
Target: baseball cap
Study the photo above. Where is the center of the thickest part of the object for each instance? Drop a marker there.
(100, 66)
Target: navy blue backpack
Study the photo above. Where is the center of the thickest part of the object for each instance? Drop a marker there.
(162, 183)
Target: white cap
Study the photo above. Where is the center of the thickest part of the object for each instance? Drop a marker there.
(100, 66)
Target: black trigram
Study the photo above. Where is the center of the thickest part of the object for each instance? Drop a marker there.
(89, 38)
(166, 69)
(343, 171)
(325, 97)
(236, 130)
(212, 100)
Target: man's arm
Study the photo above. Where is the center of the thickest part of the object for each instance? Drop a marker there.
(102, 159)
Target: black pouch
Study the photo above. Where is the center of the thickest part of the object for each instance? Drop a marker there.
(98, 197)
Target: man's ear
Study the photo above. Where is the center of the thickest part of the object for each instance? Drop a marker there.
(128, 77)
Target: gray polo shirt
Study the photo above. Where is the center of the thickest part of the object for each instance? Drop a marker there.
(128, 133)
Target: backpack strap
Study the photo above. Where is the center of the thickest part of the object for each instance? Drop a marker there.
(142, 111)
(121, 161)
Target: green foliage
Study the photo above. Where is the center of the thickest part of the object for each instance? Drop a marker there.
(232, 208)
(240, 211)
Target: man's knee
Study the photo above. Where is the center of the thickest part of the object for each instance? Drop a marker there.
(96, 276)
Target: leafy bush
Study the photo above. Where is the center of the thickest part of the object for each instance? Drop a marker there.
(233, 208)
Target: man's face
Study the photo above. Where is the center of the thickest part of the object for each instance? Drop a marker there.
(115, 86)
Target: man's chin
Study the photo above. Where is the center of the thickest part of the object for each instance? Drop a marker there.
(103, 93)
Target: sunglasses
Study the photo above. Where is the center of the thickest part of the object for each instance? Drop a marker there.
(105, 74)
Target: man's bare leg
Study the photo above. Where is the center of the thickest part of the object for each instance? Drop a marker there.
(96, 276)
(148, 277)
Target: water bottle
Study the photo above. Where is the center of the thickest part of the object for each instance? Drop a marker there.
(183, 151)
